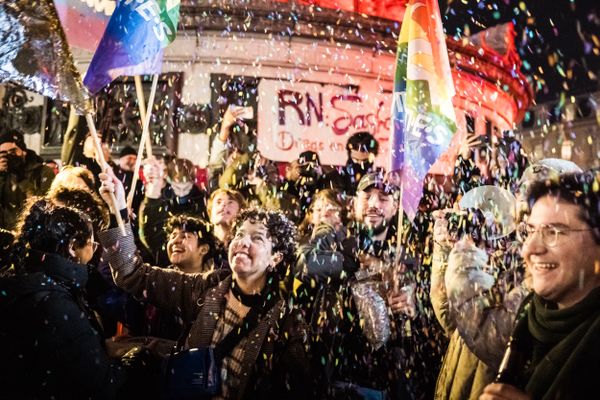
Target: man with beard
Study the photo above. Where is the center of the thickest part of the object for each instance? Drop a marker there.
(22, 175)
(362, 148)
(365, 336)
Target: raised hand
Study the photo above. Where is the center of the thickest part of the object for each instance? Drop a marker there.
(471, 142)
(155, 178)
(109, 183)
(230, 117)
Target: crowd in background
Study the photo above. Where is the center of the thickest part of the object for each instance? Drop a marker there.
(306, 284)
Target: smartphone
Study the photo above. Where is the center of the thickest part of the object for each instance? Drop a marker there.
(470, 122)
(246, 113)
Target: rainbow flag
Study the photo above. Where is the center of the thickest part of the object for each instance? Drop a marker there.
(422, 112)
(133, 41)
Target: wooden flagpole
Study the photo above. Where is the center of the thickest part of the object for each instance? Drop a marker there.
(104, 165)
(139, 90)
(144, 139)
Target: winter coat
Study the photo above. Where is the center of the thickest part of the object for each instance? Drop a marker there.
(52, 345)
(33, 179)
(477, 310)
(274, 364)
(343, 352)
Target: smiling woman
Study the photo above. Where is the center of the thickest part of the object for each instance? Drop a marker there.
(268, 358)
(557, 337)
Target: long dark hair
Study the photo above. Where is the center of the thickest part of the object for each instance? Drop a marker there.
(48, 228)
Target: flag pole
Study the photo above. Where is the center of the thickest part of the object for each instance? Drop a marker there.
(399, 232)
(104, 165)
(144, 139)
(139, 90)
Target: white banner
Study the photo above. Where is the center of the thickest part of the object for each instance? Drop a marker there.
(295, 117)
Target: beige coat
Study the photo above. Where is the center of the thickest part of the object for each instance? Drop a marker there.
(465, 302)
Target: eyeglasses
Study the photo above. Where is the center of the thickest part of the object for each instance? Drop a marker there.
(550, 234)
(95, 246)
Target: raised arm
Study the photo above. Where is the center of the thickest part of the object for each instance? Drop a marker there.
(483, 303)
(170, 290)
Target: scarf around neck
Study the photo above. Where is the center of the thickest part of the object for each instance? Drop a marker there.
(550, 325)
(571, 336)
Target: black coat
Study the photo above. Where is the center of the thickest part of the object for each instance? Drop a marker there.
(32, 179)
(51, 344)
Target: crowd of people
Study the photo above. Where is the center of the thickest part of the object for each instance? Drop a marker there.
(306, 285)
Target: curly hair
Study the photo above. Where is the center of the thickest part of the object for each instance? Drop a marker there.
(580, 189)
(48, 228)
(202, 229)
(281, 230)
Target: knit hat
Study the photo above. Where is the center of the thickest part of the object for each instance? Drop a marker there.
(127, 151)
(547, 168)
(13, 136)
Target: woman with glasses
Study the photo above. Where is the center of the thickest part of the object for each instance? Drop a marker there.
(477, 287)
(51, 343)
(554, 350)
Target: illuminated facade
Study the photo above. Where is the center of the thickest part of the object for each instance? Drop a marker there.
(230, 47)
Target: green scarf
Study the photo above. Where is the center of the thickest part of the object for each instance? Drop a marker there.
(550, 325)
(571, 335)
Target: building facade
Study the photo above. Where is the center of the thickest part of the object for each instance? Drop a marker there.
(313, 75)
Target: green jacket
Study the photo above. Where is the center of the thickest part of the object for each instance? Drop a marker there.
(477, 311)
(34, 179)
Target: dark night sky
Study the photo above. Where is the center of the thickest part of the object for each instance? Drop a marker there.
(558, 40)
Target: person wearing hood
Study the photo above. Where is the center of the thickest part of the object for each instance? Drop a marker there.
(22, 175)
(179, 196)
(52, 345)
